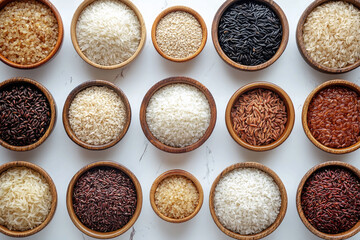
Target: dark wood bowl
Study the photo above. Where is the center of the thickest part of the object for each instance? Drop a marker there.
(57, 46)
(75, 219)
(52, 187)
(183, 9)
(52, 105)
(301, 45)
(343, 235)
(70, 98)
(176, 172)
(304, 116)
(145, 102)
(75, 43)
(289, 109)
(285, 27)
(280, 216)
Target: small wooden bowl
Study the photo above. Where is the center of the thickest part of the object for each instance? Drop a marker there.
(75, 219)
(343, 235)
(70, 98)
(56, 47)
(183, 9)
(289, 109)
(170, 173)
(52, 187)
(145, 102)
(304, 116)
(49, 97)
(285, 28)
(301, 45)
(75, 43)
(280, 216)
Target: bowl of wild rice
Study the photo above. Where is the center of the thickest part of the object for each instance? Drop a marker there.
(104, 199)
(108, 34)
(260, 116)
(250, 35)
(176, 196)
(248, 201)
(31, 32)
(328, 36)
(179, 33)
(178, 114)
(96, 115)
(333, 211)
(331, 116)
(28, 199)
(27, 114)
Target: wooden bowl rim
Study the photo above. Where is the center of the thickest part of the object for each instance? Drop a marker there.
(330, 83)
(52, 105)
(73, 94)
(73, 24)
(344, 235)
(169, 81)
(289, 110)
(301, 45)
(79, 224)
(52, 52)
(282, 211)
(53, 191)
(171, 173)
(182, 9)
(285, 36)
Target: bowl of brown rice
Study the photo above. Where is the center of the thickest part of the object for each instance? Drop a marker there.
(31, 32)
(328, 36)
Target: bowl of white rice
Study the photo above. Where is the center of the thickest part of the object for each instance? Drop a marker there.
(178, 114)
(248, 201)
(108, 34)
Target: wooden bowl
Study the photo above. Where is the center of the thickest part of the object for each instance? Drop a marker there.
(145, 102)
(183, 9)
(304, 116)
(74, 21)
(343, 235)
(170, 173)
(75, 219)
(70, 98)
(289, 109)
(49, 97)
(280, 216)
(57, 46)
(301, 45)
(285, 28)
(52, 187)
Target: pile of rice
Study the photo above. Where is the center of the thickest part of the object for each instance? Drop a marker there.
(247, 201)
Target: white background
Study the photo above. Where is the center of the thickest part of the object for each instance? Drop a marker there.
(62, 158)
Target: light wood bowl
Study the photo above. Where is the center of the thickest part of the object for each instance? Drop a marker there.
(145, 102)
(285, 28)
(75, 219)
(170, 173)
(301, 45)
(70, 98)
(183, 9)
(57, 46)
(289, 109)
(53, 192)
(304, 116)
(343, 235)
(280, 216)
(52, 105)
(75, 43)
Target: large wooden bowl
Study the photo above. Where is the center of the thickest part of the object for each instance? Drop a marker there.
(53, 192)
(280, 216)
(285, 28)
